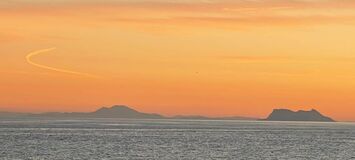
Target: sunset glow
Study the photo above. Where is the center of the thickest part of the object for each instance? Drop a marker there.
(177, 57)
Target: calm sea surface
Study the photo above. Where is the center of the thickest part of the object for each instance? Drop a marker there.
(174, 139)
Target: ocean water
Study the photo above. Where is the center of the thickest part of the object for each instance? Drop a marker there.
(174, 139)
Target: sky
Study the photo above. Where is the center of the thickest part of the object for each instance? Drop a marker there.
(173, 57)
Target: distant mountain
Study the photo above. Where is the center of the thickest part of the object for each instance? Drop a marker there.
(11, 114)
(122, 112)
(117, 111)
(288, 115)
(197, 117)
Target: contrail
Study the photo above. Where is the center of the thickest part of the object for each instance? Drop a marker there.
(34, 53)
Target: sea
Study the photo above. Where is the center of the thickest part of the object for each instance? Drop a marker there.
(166, 139)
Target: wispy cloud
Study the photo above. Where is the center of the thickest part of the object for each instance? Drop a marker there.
(205, 21)
(256, 58)
(288, 59)
(185, 13)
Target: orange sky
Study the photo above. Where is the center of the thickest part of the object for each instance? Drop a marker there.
(208, 57)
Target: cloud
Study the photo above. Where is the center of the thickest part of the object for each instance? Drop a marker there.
(257, 58)
(335, 60)
(244, 21)
(224, 13)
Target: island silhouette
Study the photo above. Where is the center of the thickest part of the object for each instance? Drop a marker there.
(301, 115)
(123, 111)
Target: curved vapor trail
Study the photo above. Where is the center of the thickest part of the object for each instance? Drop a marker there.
(34, 53)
